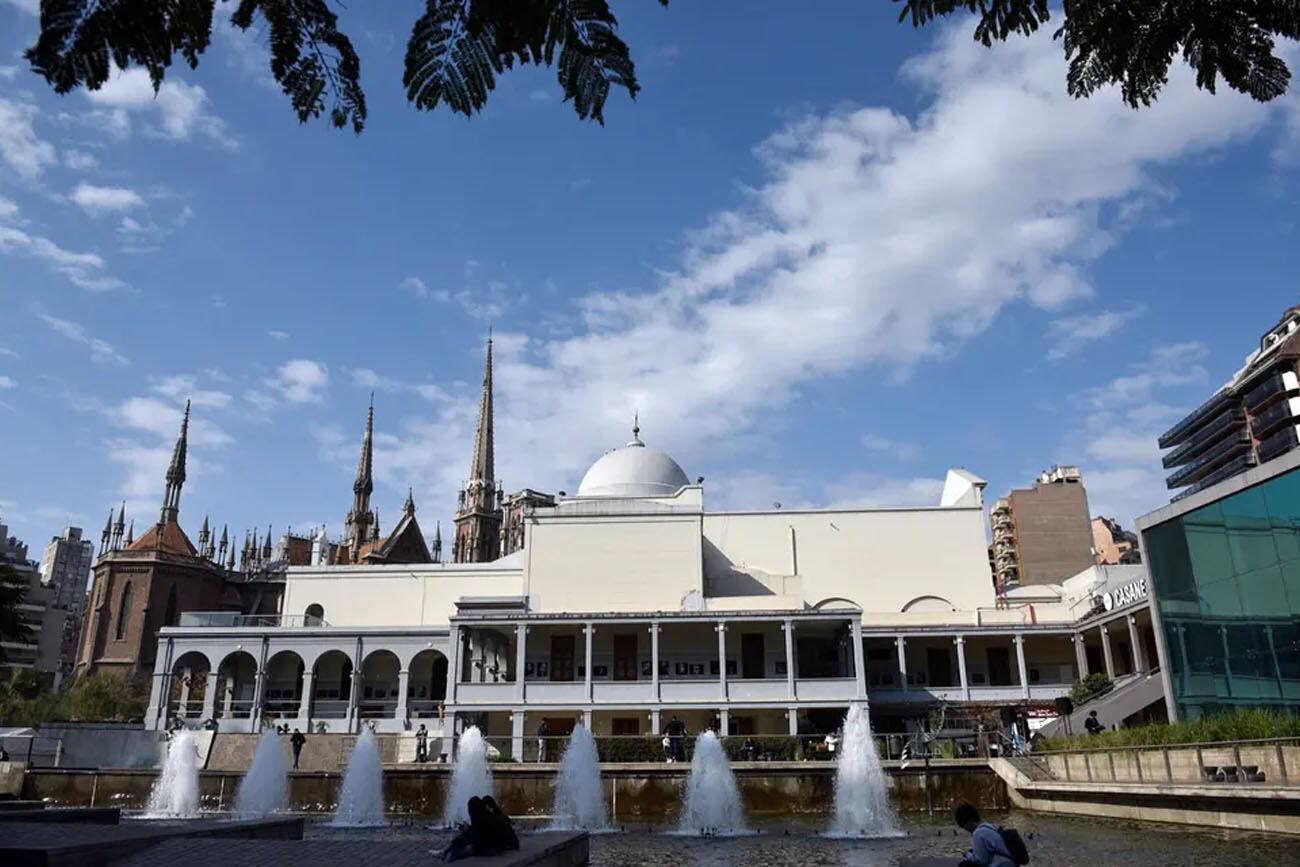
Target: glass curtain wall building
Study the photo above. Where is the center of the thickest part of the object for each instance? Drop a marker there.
(1225, 575)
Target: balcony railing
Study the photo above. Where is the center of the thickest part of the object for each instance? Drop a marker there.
(235, 620)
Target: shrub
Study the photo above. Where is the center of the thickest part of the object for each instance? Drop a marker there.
(632, 749)
(1090, 687)
(103, 697)
(1237, 725)
(776, 748)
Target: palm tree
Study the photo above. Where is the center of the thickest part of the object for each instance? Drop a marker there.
(12, 590)
(458, 48)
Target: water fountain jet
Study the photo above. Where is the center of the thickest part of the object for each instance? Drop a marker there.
(265, 787)
(861, 791)
(470, 776)
(579, 800)
(712, 797)
(361, 801)
(175, 794)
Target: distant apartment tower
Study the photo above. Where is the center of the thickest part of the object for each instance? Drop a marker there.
(1253, 418)
(65, 573)
(1114, 546)
(39, 648)
(1042, 535)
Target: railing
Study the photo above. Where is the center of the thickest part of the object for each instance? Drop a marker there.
(1275, 761)
(235, 620)
(35, 750)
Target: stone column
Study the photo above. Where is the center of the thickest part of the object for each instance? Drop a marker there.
(1080, 655)
(1020, 661)
(354, 690)
(792, 715)
(521, 653)
(590, 631)
(210, 696)
(788, 628)
(901, 643)
(960, 641)
(1135, 646)
(721, 629)
(517, 735)
(655, 722)
(453, 664)
(654, 665)
(1105, 651)
(586, 719)
(859, 657)
(255, 712)
(449, 736)
(160, 689)
(304, 702)
(403, 683)
(724, 722)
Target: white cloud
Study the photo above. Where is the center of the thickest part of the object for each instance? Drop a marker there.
(95, 200)
(6, 382)
(8, 207)
(277, 334)
(181, 111)
(899, 450)
(79, 160)
(298, 380)
(366, 378)
(163, 420)
(31, 7)
(1170, 365)
(83, 269)
(415, 286)
(1071, 333)
(101, 351)
(186, 387)
(20, 147)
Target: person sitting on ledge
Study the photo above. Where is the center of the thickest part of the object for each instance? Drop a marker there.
(489, 832)
(502, 837)
(987, 848)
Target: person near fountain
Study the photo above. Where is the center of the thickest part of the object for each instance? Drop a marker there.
(543, 732)
(676, 732)
(501, 835)
(988, 847)
(490, 832)
(297, 742)
(422, 744)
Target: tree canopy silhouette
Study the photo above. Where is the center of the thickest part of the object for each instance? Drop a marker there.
(458, 48)
(12, 591)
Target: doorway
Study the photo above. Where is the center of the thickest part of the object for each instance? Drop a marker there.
(999, 659)
(939, 665)
(751, 655)
(562, 657)
(625, 657)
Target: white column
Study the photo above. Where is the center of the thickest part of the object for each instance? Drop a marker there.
(724, 722)
(517, 735)
(304, 703)
(721, 629)
(160, 688)
(859, 658)
(901, 643)
(586, 719)
(590, 630)
(187, 674)
(453, 664)
(960, 641)
(1020, 661)
(654, 666)
(521, 651)
(403, 683)
(655, 722)
(210, 696)
(354, 721)
(792, 716)
(1135, 646)
(1080, 655)
(788, 628)
(449, 736)
(255, 712)
(1105, 652)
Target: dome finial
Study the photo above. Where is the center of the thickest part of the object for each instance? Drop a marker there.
(636, 425)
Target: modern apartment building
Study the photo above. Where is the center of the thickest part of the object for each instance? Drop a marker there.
(39, 648)
(1042, 535)
(1253, 418)
(65, 573)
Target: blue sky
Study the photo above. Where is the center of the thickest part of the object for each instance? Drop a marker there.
(826, 258)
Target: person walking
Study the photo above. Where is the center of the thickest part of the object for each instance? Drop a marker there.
(543, 732)
(297, 742)
(676, 731)
(422, 744)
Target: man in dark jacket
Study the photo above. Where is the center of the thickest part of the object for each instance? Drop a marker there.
(296, 742)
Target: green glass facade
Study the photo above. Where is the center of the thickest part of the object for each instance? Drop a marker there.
(1226, 581)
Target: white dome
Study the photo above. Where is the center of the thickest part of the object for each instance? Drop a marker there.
(636, 470)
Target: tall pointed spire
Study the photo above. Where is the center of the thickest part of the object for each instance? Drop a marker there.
(437, 542)
(108, 534)
(120, 527)
(266, 549)
(204, 536)
(361, 519)
(408, 508)
(225, 542)
(130, 533)
(483, 467)
(176, 473)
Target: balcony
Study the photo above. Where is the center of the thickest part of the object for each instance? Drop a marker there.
(235, 620)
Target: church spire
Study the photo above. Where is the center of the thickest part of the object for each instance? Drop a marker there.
(483, 467)
(108, 534)
(437, 542)
(225, 541)
(408, 508)
(130, 533)
(120, 527)
(176, 473)
(266, 548)
(204, 536)
(361, 519)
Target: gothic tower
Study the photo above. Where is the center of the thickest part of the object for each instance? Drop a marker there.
(478, 512)
(361, 520)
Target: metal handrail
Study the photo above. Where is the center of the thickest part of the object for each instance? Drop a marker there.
(1171, 745)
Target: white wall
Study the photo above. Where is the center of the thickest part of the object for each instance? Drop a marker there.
(613, 563)
(880, 560)
(413, 595)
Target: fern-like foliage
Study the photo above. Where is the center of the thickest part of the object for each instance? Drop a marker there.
(82, 41)
(1132, 43)
(459, 47)
(309, 57)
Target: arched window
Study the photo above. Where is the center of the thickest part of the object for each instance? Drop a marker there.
(122, 609)
(172, 605)
(315, 614)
